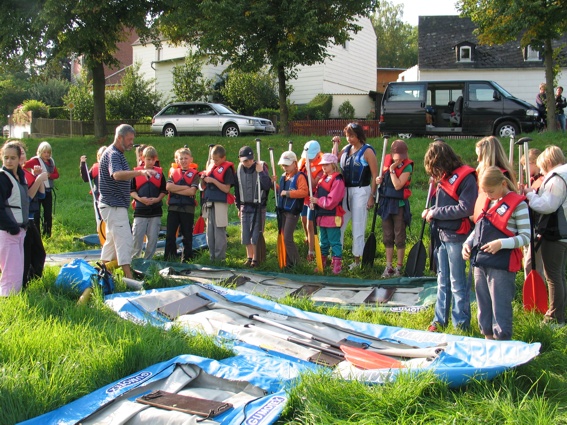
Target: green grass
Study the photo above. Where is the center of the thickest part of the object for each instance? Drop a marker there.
(53, 351)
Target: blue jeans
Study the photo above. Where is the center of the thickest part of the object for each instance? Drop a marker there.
(452, 285)
(561, 120)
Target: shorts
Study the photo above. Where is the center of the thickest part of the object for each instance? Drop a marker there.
(308, 212)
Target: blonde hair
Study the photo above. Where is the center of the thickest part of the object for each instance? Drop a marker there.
(43, 147)
(491, 153)
(100, 152)
(182, 151)
(533, 153)
(493, 176)
(150, 152)
(336, 168)
(550, 158)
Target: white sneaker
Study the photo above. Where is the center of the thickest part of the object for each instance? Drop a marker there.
(397, 272)
(354, 265)
(388, 272)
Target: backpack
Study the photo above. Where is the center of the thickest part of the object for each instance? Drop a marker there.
(80, 275)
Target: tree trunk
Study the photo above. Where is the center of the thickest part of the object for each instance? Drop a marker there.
(99, 112)
(549, 79)
(282, 92)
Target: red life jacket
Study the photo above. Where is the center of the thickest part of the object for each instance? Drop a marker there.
(214, 194)
(182, 178)
(498, 216)
(147, 187)
(316, 170)
(323, 188)
(449, 185)
(389, 190)
(95, 170)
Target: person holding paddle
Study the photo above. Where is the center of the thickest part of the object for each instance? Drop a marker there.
(251, 210)
(551, 202)
(455, 198)
(502, 227)
(394, 206)
(360, 169)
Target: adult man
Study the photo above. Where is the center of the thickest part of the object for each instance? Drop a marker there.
(560, 104)
(114, 181)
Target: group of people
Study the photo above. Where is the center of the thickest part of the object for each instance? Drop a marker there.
(560, 105)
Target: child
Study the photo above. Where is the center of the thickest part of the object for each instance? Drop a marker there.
(93, 172)
(182, 186)
(292, 191)
(147, 193)
(216, 183)
(393, 204)
(502, 226)
(490, 153)
(14, 210)
(450, 225)
(251, 210)
(313, 150)
(328, 197)
(47, 164)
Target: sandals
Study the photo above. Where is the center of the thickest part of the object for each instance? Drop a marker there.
(248, 262)
(254, 263)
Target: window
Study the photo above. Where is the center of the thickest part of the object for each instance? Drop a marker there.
(531, 54)
(481, 92)
(406, 92)
(465, 54)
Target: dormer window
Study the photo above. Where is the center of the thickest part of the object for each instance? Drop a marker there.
(531, 54)
(464, 52)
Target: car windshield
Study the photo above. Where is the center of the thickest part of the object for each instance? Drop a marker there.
(503, 90)
(222, 109)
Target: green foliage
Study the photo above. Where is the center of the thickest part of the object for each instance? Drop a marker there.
(12, 93)
(134, 98)
(346, 110)
(269, 113)
(397, 40)
(188, 81)
(248, 91)
(318, 108)
(81, 95)
(36, 107)
(50, 92)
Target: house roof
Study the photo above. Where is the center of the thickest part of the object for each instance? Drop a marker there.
(439, 35)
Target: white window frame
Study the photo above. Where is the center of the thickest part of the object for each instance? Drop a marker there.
(531, 54)
(462, 50)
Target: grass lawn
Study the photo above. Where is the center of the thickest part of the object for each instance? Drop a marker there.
(53, 351)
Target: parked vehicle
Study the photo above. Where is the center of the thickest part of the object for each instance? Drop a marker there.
(203, 117)
(473, 108)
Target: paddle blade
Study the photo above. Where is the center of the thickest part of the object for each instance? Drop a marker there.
(199, 226)
(365, 359)
(261, 249)
(535, 293)
(101, 230)
(318, 256)
(415, 265)
(280, 248)
(369, 251)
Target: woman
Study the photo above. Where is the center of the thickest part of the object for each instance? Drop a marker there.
(551, 201)
(360, 169)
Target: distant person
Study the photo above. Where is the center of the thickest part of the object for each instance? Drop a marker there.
(560, 104)
(91, 174)
(541, 99)
(115, 178)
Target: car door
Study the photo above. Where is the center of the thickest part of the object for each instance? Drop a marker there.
(184, 121)
(481, 108)
(206, 120)
(404, 108)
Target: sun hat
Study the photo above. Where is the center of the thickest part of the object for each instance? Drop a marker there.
(400, 147)
(328, 158)
(287, 158)
(246, 152)
(312, 148)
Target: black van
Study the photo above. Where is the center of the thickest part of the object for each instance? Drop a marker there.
(472, 108)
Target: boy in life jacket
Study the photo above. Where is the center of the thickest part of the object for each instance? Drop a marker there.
(93, 172)
(147, 194)
(307, 214)
(182, 186)
(251, 210)
(394, 206)
(47, 164)
(215, 184)
(292, 191)
(327, 199)
(450, 225)
(502, 227)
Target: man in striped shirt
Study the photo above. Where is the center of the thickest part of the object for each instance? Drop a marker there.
(114, 184)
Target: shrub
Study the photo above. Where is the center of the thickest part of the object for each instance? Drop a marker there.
(247, 92)
(318, 108)
(188, 80)
(50, 91)
(269, 113)
(81, 95)
(346, 110)
(36, 107)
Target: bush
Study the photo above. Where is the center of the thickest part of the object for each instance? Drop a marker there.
(51, 91)
(60, 113)
(188, 80)
(346, 110)
(81, 95)
(318, 108)
(36, 107)
(247, 92)
(268, 113)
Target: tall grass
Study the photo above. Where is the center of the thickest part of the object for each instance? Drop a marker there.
(53, 351)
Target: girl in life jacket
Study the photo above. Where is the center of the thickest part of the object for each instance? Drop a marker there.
(14, 211)
(502, 227)
(393, 204)
(328, 198)
(91, 174)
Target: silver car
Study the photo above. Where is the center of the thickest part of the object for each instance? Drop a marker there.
(202, 117)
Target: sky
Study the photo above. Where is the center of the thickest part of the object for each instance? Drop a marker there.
(415, 8)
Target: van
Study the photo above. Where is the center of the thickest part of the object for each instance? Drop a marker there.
(471, 108)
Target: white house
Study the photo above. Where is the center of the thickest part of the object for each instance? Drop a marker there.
(350, 74)
(449, 50)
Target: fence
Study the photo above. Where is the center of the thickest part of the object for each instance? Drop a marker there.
(54, 127)
(332, 127)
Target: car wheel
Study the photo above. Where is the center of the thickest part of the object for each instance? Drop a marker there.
(507, 129)
(405, 135)
(169, 131)
(231, 130)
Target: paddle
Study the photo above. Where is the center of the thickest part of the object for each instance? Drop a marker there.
(290, 146)
(100, 224)
(318, 255)
(511, 152)
(369, 251)
(261, 244)
(417, 256)
(199, 226)
(280, 245)
(534, 292)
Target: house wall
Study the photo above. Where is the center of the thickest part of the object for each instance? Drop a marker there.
(362, 104)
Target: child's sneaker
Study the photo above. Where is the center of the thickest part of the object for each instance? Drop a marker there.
(337, 264)
(397, 272)
(354, 265)
(388, 272)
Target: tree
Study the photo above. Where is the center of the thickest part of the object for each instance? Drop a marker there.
(535, 23)
(251, 35)
(397, 40)
(46, 29)
(188, 80)
(249, 91)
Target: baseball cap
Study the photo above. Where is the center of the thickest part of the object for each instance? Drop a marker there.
(287, 158)
(313, 148)
(328, 158)
(399, 147)
(246, 152)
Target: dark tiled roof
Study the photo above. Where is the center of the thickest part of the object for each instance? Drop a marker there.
(438, 36)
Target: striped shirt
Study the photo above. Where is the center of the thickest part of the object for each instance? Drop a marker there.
(115, 193)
